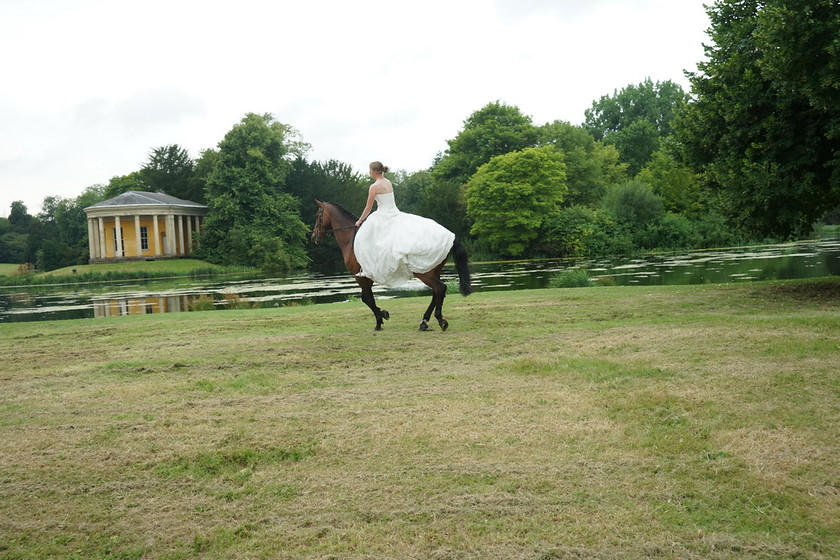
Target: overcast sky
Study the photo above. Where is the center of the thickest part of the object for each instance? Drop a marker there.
(89, 88)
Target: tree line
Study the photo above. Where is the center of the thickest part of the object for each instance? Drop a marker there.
(752, 153)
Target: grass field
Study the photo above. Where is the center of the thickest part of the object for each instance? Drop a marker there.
(7, 269)
(645, 422)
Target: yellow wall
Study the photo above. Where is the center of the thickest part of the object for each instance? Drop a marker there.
(130, 238)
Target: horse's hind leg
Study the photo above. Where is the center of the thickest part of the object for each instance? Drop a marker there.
(367, 296)
(432, 279)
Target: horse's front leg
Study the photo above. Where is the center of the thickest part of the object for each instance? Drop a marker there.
(424, 324)
(367, 296)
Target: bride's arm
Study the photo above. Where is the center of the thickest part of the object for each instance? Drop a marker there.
(368, 206)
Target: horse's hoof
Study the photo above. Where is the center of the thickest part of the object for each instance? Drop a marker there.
(424, 326)
(385, 314)
(378, 328)
(444, 324)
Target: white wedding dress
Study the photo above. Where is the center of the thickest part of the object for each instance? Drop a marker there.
(391, 245)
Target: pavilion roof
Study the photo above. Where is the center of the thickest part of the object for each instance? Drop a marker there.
(138, 198)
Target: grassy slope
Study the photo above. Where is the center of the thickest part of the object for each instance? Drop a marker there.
(175, 266)
(7, 269)
(673, 422)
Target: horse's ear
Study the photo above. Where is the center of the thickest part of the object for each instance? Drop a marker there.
(319, 203)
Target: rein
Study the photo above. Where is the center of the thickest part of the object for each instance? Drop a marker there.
(319, 231)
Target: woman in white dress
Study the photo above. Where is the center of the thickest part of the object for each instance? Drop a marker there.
(391, 246)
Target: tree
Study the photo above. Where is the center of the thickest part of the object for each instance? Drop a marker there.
(634, 204)
(170, 170)
(764, 128)
(581, 231)
(19, 216)
(494, 130)
(510, 197)
(679, 186)
(331, 181)
(444, 203)
(251, 220)
(412, 190)
(14, 234)
(124, 183)
(13, 246)
(635, 119)
(71, 222)
(590, 166)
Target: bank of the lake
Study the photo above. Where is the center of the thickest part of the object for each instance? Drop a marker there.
(222, 289)
(119, 271)
(633, 422)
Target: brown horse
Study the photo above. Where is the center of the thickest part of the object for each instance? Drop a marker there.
(333, 218)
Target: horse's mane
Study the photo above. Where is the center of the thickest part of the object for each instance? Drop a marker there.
(344, 210)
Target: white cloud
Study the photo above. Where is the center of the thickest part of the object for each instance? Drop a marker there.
(90, 87)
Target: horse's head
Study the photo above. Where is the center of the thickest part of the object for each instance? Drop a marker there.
(323, 224)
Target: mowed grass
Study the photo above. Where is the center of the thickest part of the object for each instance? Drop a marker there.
(646, 422)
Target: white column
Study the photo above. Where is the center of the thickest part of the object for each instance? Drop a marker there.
(91, 239)
(197, 228)
(188, 248)
(181, 249)
(97, 239)
(102, 241)
(119, 251)
(157, 235)
(170, 234)
(137, 241)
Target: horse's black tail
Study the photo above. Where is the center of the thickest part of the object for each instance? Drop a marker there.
(459, 255)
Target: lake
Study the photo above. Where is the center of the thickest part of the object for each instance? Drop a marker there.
(805, 259)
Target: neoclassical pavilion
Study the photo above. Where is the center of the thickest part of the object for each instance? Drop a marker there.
(150, 226)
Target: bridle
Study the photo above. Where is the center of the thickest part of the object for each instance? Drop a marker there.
(320, 232)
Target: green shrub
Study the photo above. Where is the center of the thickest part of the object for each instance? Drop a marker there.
(579, 231)
(570, 278)
(633, 204)
(204, 302)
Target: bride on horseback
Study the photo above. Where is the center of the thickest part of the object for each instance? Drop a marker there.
(392, 246)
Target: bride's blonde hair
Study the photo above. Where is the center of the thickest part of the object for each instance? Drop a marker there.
(378, 167)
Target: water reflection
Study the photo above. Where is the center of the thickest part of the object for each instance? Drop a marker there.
(114, 307)
(787, 261)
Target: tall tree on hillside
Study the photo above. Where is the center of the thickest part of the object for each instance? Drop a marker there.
(14, 234)
(123, 183)
(170, 170)
(494, 130)
(19, 216)
(635, 119)
(764, 129)
(251, 220)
